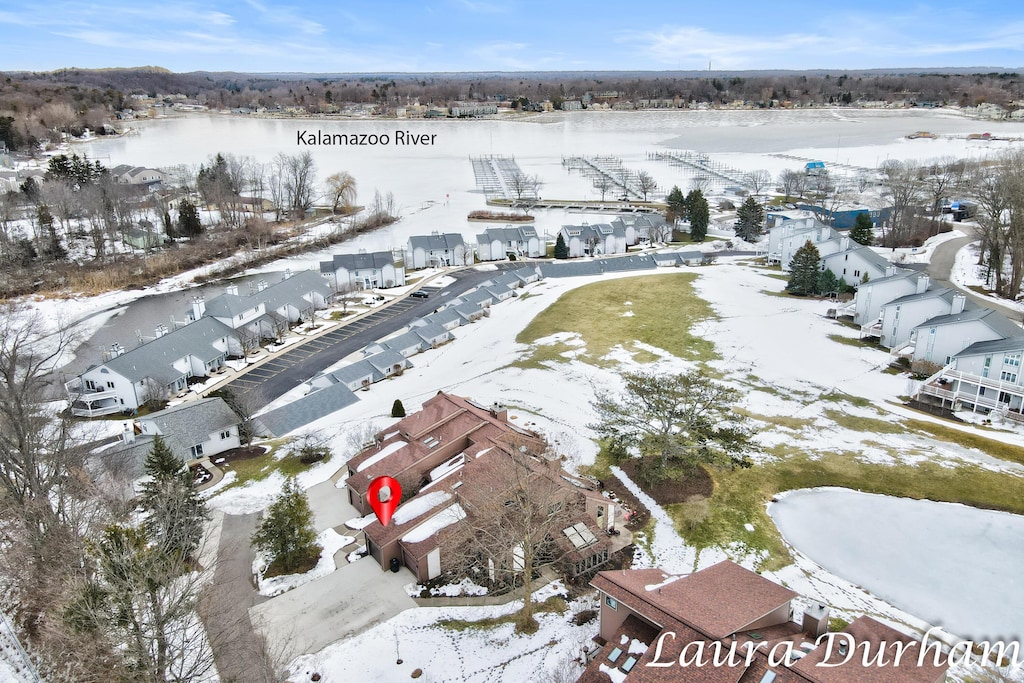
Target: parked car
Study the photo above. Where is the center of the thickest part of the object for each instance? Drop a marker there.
(419, 294)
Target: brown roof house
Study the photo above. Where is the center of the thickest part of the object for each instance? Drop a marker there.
(726, 624)
(450, 459)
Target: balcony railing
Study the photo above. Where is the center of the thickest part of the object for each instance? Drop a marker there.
(871, 330)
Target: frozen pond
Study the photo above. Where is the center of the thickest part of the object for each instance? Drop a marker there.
(954, 566)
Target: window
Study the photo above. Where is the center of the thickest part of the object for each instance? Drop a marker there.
(1008, 376)
(1012, 359)
(611, 602)
(614, 655)
(197, 450)
(226, 434)
(856, 273)
(988, 364)
(628, 665)
(110, 385)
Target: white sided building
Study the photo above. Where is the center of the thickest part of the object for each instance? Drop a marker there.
(496, 244)
(437, 250)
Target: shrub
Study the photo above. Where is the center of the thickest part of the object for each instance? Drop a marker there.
(397, 409)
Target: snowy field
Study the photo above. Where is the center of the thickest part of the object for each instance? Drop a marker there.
(935, 555)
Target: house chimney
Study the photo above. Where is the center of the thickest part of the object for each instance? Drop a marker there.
(890, 271)
(844, 243)
(232, 290)
(116, 350)
(160, 330)
(815, 622)
(198, 307)
(958, 304)
(287, 273)
(261, 285)
(923, 282)
(128, 432)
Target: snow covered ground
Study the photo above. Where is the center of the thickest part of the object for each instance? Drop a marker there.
(484, 655)
(935, 555)
(330, 542)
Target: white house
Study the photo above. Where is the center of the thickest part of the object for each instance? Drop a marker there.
(899, 317)
(155, 370)
(138, 175)
(939, 339)
(364, 270)
(874, 294)
(854, 263)
(985, 376)
(194, 429)
(600, 239)
(495, 244)
(786, 237)
(436, 249)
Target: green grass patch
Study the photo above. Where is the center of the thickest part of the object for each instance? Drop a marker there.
(849, 341)
(997, 449)
(784, 294)
(864, 424)
(664, 310)
(740, 495)
(553, 605)
(787, 421)
(261, 467)
(837, 397)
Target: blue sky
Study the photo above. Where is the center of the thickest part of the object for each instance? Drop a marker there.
(508, 35)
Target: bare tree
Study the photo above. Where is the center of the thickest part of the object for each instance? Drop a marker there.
(791, 182)
(758, 180)
(297, 173)
(645, 183)
(513, 517)
(603, 184)
(903, 189)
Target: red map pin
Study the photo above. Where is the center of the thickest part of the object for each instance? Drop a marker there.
(384, 495)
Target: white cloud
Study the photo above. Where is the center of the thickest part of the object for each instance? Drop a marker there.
(286, 17)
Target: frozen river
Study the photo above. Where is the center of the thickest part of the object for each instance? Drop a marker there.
(954, 566)
(434, 185)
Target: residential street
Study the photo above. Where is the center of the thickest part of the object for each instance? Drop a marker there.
(941, 266)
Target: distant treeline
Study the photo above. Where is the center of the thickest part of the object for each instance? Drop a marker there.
(35, 106)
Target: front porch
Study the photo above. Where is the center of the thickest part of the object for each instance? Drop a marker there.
(88, 402)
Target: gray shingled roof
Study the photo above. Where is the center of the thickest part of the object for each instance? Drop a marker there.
(431, 332)
(934, 293)
(511, 233)
(901, 274)
(403, 341)
(190, 423)
(437, 242)
(598, 266)
(154, 358)
(1015, 343)
(478, 296)
(371, 261)
(302, 411)
(355, 371)
(468, 310)
(444, 317)
(866, 253)
(293, 289)
(382, 361)
(231, 305)
(999, 323)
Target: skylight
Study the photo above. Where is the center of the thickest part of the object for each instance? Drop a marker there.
(579, 535)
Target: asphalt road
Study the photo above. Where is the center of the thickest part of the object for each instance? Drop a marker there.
(941, 266)
(298, 364)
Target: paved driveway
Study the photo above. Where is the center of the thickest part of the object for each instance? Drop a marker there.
(346, 602)
(330, 507)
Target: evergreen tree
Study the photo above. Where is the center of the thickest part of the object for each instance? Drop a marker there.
(189, 224)
(561, 248)
(699, 214)
(176, 511)
(804, 270)
(676, 206)
(286, 533)
(397, 409)
(828, 282)
(52, 247)
(863, 231)
(750, 220)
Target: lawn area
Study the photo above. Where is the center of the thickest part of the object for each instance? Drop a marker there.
(663, 308)
(997, 449)
(740, 496)
(554, 604)
(261, 467)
